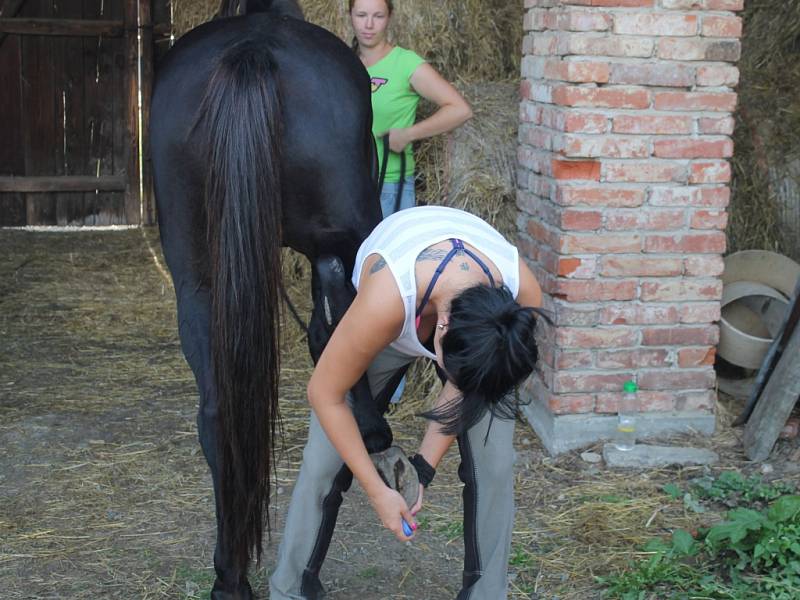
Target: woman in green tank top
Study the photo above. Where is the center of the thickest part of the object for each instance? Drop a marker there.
(399, 78)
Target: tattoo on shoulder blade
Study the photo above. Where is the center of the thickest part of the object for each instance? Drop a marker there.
(464, 266)
(379, 264)
(431, 254)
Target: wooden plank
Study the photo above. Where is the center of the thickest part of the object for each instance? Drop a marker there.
(147, 54)
(12, 210)
(774, 353)
(12, 161)
(53, 184)
(93, 100)
(39, 115)
(69, 83)
(776, 403)
(132, 195)
(61, 27)
(114, 211)
(101, 95)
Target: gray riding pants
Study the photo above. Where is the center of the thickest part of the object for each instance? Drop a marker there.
(487, 471)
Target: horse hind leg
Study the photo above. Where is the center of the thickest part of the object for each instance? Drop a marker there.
(332, 295)
(193, 319)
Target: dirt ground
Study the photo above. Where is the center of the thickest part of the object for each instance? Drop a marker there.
(104, 492)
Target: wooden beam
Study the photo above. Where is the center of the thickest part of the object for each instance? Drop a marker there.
(62, 27)
(775, 404)
(133, 200)
(773, 356)
(106, 183)
(146, 84)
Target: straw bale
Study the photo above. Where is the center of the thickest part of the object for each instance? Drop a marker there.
(468, 39)
(188, 14)
(765, 200)
(474, 168)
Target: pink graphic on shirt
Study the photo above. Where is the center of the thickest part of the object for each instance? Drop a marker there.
(378, 83)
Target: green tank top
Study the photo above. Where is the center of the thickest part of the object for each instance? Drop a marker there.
(394, 103)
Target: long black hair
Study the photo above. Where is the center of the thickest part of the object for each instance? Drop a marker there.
(488, 349)
(240, 119)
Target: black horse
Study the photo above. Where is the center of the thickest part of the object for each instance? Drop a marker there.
(260, 138)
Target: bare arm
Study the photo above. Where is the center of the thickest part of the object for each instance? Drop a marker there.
(435, 444)
(370, 324)
(453, 109)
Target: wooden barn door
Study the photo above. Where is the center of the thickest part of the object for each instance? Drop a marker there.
(71, 151)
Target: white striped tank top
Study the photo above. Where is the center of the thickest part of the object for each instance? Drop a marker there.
(401, 237)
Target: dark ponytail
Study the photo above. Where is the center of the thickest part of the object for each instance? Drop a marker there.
(489, 348)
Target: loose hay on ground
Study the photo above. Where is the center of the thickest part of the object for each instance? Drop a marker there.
(104, 491)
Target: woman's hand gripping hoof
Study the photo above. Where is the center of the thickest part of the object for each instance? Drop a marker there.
(402, 491)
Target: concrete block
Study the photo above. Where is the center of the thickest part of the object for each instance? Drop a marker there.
(561, 433)
(644, 456)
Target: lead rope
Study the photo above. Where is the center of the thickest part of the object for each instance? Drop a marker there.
(382, 177)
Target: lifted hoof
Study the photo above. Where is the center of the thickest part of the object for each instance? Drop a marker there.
(398, 473)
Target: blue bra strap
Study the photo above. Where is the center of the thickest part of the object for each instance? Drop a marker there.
(436, 274)
(474, 257)
(458, 246)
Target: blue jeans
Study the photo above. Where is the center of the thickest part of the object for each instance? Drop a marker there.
(389, 196)
(388, 202)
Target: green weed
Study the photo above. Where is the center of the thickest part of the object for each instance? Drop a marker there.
(751, 555)
(733, 489)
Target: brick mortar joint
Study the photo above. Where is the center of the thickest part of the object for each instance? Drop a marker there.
(660, 10)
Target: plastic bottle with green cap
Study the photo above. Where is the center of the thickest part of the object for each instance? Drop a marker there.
(626, 417)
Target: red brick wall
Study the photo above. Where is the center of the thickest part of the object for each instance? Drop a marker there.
(625, 138)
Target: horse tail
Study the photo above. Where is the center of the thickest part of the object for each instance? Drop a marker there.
(240, 116)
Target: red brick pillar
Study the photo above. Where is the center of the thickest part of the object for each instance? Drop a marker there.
(623, 188)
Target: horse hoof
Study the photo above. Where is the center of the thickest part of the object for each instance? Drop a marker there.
(225, 592)
(398, 473)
